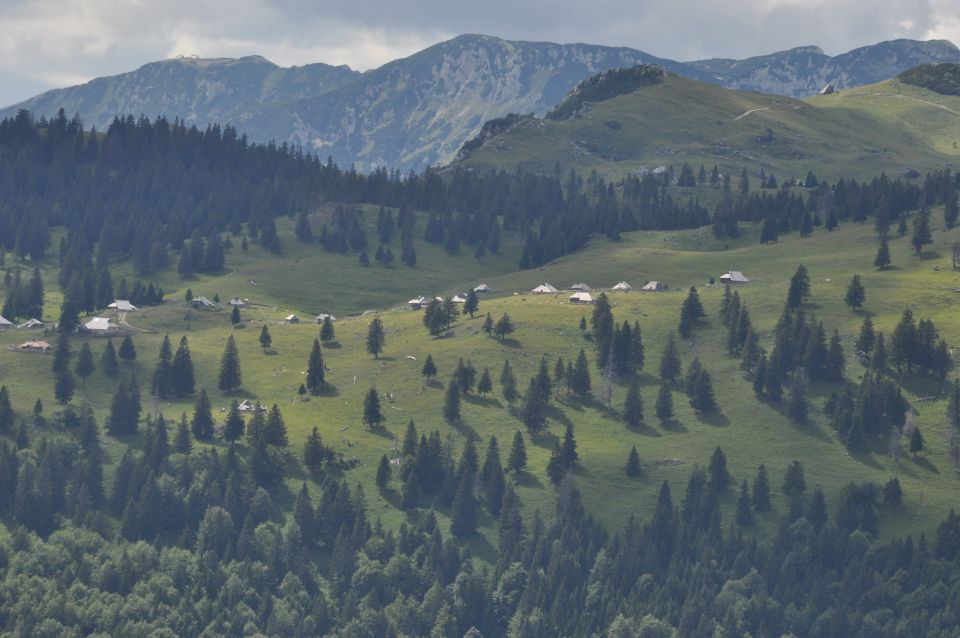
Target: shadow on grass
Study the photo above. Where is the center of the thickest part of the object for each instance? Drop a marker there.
(925, 463)
(715, 418)
(328, 390)
(556, 414)
(866, 457)
(465, 430)
(510, 343)
(382, 431)
(644, 429)
(434, 383)
(240, 393)
(672, 425)
(526, 479)
(332, 345)
(547, 440)
(482, 548)
(474, 399)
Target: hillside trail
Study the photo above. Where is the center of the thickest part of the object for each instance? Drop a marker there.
(942, 107)
(746, 113)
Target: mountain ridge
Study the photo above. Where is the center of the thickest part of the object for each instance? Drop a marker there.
(419, 110)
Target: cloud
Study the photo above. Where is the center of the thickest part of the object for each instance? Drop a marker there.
(47, 43)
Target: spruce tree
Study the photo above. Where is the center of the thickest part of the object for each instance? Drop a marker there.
(517, 460)
(503, 327)
(182, 441)
(202, 422)
(314, 452)
(633, 406)
(485, 384)
(664, 406)
(6, 410)
(761, 490)
(703, 399)
(63, 386)
(383, 473)
(568, 450)
(921, 231)
(429, 369)
(372, 416)
(230, 375)
(633, 468)
(162, 376)
(234, 427)
(108, 359)
(181, 371)
(744, 511)
(265, 339)
(451, 402)
(235, 316)
(691, 312)
(670, 367)
(275, 429)
(61, 353)
(794, 482)
(463, 511)
(488, 324)
(491, 477)
(472, 304)
(127, 351)
(580, 382)
(916, 442)
(797, 407)
(882, 260)
(556, 468)
(799, 290)
(717, 472)
(85, 366)
(327, 334)
(856, 293)
(508, 384)
(410, 494)
(866, 338)
(376, 338)
(316, 374)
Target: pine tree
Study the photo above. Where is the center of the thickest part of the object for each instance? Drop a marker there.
(797, 407)
(127, 351)
(372, 417)
(202, 422)
(633, 406)
(230, 375)
(670, 368)
(866, 338)
(410, 494)
(793, 481)
(485, 384)
(508, 384)
(703, 399)
(882, 260)
(181, 371)
(383, 473)
(761, 490)
(717, 472)
(314, 452)
(61, 353)
(921, 231)
(451, 402)
(856, 294)
(463, 511)
(108, 359)
(235, 316)
(64, 386)
(85, 366)
(517, 460)
(275, 430)
(691, 312)
(376, 337)
(744, 512)
(633, 468)
(472, 304)
(491, 477)
(315, 371)
(234, 426)
(327, 334)
(182, 441)
(162, 375)
(465, 376)
(429, 368)
(503, 327)
(556, 468)
(664, 406)
(580, 382)
(488, 324)
(916, 442)
(568, 451)
(6, 410)
(265, 339)
(799, 290)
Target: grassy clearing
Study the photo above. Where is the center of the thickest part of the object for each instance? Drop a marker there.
(749, 432)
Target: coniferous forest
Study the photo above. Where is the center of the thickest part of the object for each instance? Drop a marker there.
(182, 537)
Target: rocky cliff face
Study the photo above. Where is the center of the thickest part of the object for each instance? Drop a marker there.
(418, 111)
(805, 70)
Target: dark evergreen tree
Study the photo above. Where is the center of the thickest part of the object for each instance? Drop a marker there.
(744, 511)
(761, 490)
(882, 260)
(327, 334)
(451, 402)
(517, 460)
(230, 376)
(181, 371)
(799, 290)
(580, 381)
(488, 325)
(314, 453)
(664, 406)
(372, 416)
(568, 450)
(85, 365)
(508, 384)
(202, 422)
(856, 294)
(472, 304)
(503, 327)
(670, 367)
(182, 441)
(265, 339)
(234, 426)
(383, 473)
(485, 384)
(376, 338)
(691, 312)
(463, 512)
(916, 442)
(633, 469)
(717, 472)
(429, 369)
(316, 375)
(63, 386)
(275, 429)
(235, 316)
(633, 406)
(108, 359)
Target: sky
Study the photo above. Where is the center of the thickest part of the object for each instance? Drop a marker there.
(46, 44)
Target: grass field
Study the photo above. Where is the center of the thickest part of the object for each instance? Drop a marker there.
(306, 280)
(889, 127)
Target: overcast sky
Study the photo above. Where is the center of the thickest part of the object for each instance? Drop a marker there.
(52, 43)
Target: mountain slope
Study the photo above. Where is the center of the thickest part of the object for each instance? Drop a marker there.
(199, 91)
(674, 120)
(805, 70)
(419, 110)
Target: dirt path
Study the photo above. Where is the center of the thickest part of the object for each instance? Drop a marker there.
(942, 107)
(743, 115)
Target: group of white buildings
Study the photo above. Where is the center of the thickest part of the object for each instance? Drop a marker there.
(582, 293)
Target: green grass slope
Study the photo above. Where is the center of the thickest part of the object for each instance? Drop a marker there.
(681, 120)
(750, 432)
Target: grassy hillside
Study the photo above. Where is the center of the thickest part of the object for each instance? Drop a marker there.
(680, 120)
(750, 432)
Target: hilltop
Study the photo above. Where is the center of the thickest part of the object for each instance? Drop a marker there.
(610, 125)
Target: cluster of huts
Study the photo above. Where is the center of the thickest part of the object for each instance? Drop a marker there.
(582, 293)
(461, 297)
